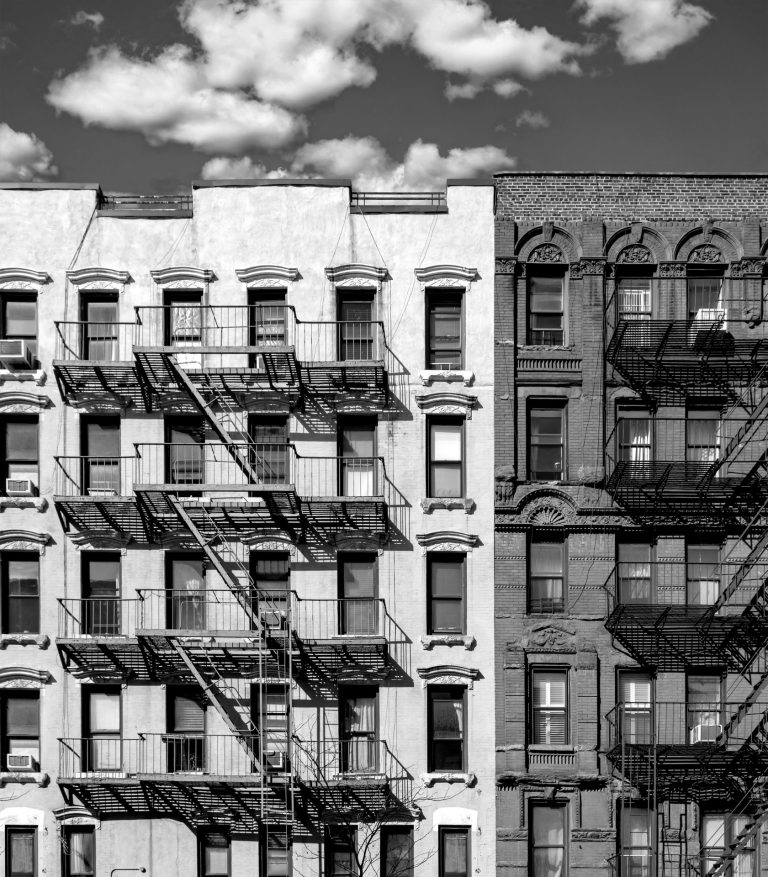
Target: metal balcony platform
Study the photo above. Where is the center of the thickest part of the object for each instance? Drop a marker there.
(106, 385)
(113, 514)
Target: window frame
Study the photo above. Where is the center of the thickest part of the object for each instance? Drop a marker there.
(530, 338)
(203, 841)
(620, 578)
(7, 557)
(631, 411)
(565, 710)
(446, 692)
(447, 420)
(730, 831)
(17, 694)
(265, 846)
(550, 405)
(538, 805)
(461, 561)
(68, 831)
(11, 830)
(334, 840)
(13, 296)
(446, 831)
(651, 847)
(562, 541)
(435, 296)
(386, 832)
(5, 421)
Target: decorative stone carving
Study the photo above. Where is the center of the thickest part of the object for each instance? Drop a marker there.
(259, 543)
(635, 254)
(706, 253)
(259, 276)
(588, 268)
(23, 279)
(466, 779)
(548, 516)
(748, 266)
(547, 510)
(448, 376)
(181, 277)
(551, 637)
(101, 539)
(450, 276)
(592, 834)
(356, 275)
(357, 542)
(512, 833)
(505, 266)
(447, 403)
(31, 777)
(428, 642)
(24, 639)
(447, 540)
(546, 253)
(23, 540)
(23, 677)
(38, 503)
(36, 376)
(99, 278)
(670, 270)
(75, 815)
(448, 674)
(429, 504)
(23, 403)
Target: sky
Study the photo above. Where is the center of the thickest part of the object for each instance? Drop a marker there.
(145, 96)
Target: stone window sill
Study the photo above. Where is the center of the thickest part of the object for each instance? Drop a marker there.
(467, 779)
(429, 504)
(38, 503)
(429, 641)
(551, 747)
(37, 375)
(24, 639)
(39, 779)
(446, 376)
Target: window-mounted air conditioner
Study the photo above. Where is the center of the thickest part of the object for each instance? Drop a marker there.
(15, 353)
(275, 761)
(706, 733)
(20, 763)
(19, 487)
(274, 619)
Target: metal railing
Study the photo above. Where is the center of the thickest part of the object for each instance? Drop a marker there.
(355, 759)
(91, 617)
(348, 617)
(383, 200)
(169, 205)
(216, 610)
(94, 476)
(95, 342)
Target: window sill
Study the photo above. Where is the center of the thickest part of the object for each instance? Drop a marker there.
(446, 376)
(551, 747)
(24, 639)
(38, 778)
(38, 375)
(429, 504)
(38, 503)
(467, 779)
(431, 640)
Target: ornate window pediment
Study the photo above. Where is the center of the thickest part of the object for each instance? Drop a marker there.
(447, 540)
(101, 539)
(357, 275)
(259, 543)
(635, 254)
(448, 674)
(23, 540)
(546, 253)
(75, 815)
(99, 278)
(23, 677)
(23, 279)
(446, 276)
(267, 275)
(447, 403)
(182, 277)
(23, 403)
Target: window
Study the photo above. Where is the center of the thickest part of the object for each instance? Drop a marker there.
(718, 832)
(269, 448)
(358, 605)
(636, 707)
(19, 435)
(446, 728)
(102, 723)
(446, 465)
(547, 840)
(445, 592)
(100, 441)
(185, 439)
(546, 311)
(546, 443)
(79, 852)
(266, 323)
(213, 855)
(21, 592)
(185, 741)
(100, 341)
(546, 582)
(444, 330)
(705, 713)
(357, 450)
(634, 436)
(270, 706)
(397, 851)
(635, 842)
(705, 298)
(454, 852)
(634, 573)
(183, 319)
(703, 579)
(276, 855)
(341, 842)
(634, 298)
(355, 339)
(21, 851)
(185, 592)
(19, 318)
(271, 575)
(19, 727)
(702, 437)
(550, 707)
(100, 614)
(358, 718)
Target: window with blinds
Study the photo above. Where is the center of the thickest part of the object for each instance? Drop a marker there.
(549, 719)
(546, 443)
(546, 580)
(445, 466)
(636, 708)
(702, 436)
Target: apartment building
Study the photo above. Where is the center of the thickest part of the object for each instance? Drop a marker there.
(246, 531)
(631, 564)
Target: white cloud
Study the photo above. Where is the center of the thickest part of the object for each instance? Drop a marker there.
(23, 157)
(507, 88)
(168, 100)
(224, 168)
(94, 19)
(532, 119)
(462, 90)
(647, 30)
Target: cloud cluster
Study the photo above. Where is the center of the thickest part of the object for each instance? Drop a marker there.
(23, 157)
(367, 163)
(532, 119)
(81, 17)
(649, 30)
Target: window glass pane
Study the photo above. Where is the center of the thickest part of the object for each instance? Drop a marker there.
(546, 559)
(445, 441)
(447, 719)
(104, 712)
(216, 860)
(21, 319)
(549, 688)
(81, 852)
(548, 862)
(103, 578)
(21, 855)
(22, 716)
(546, 294)
(188, 715)
(454, 853)
(103, 439)
(358, 441)
(447, 616)
(358, 578)
(447, 577)
(398, 850)
(23, 578)
(21, 440)
(187, 575)
(548, 826)
(445, 479)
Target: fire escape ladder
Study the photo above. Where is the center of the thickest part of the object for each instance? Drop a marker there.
(745, 837)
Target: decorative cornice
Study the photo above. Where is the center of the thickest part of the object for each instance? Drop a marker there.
(429, 641)
(24, 639)
(23, 278)
(37, 777)
(448, 674)
(546, 253)
(101, 539)
(75, 815)
(99, 278)
(356, 542)
(23, 540)
(672, 269)
(267, 275)
(506, 265)
(447, 403)
(23, 677)
(269, 543)
(442, 276)
(181, 275)
(356, 275)
(430, 503)
(19, 402)
(588, 268)
(447, 540)
(635, 254)
(38, 503)
(466, 779)
(447, 376)
(754, 265)
(706, 253)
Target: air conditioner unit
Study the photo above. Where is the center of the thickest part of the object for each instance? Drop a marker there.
(19, 487)
(15, 353)
(275, 761)
(274, 619)
(19, 763)
(706, 733)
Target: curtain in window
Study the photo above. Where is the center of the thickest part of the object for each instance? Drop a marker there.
(455, 854)
(101, 341)
(546, 577)
(635, 440)
(357, 464)
(548, 841)
(635, 843)
(23, 602)
(702, 437)
(358, 610)
(81, 859)
(702, 574)
(188, 595)
(635, 585)
(22, 853)
(704, 707)
(445, 441)
(360, 720)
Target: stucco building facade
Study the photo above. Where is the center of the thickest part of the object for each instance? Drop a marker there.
(246, 531)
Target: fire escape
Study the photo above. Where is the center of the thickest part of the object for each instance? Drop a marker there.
(687, 457)
(239, 644)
